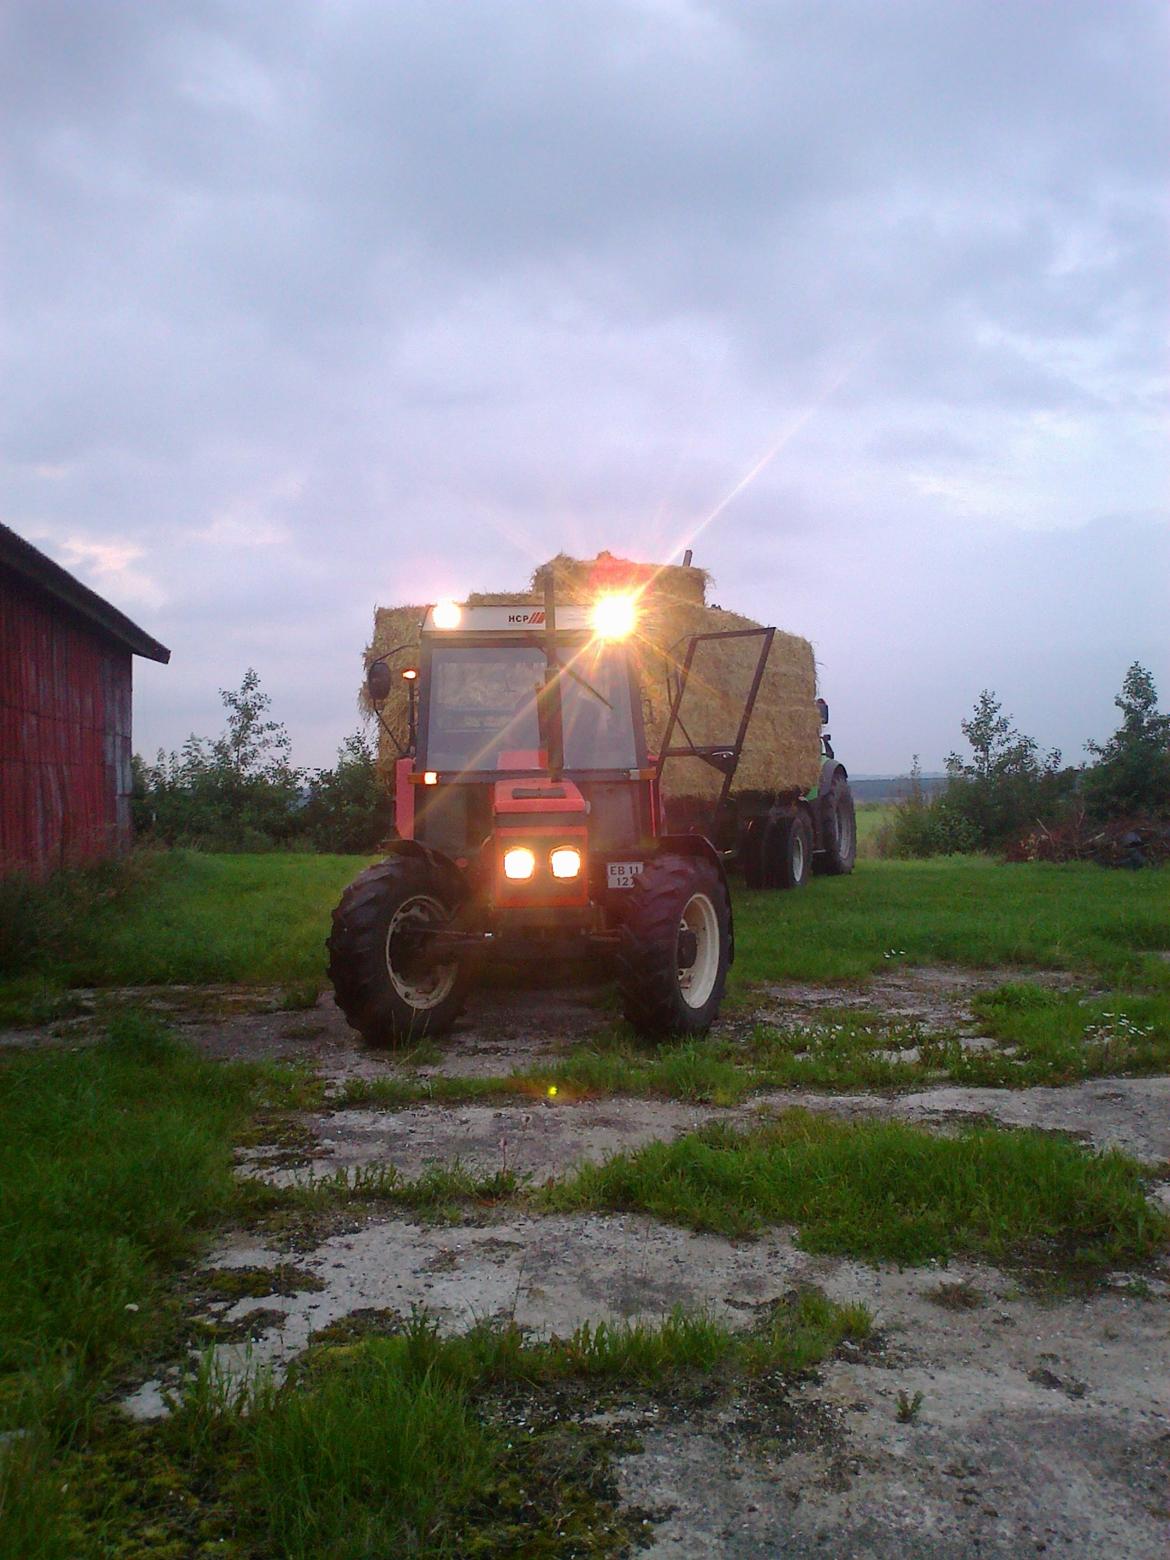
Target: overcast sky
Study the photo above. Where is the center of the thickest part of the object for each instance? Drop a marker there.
(309, 307)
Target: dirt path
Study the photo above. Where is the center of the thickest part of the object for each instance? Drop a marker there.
(1043, 1424)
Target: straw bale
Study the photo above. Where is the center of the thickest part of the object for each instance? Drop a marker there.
(781, 752)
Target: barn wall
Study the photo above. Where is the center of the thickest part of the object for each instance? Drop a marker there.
(65, 695)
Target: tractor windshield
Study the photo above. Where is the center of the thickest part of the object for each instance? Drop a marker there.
(482, 705)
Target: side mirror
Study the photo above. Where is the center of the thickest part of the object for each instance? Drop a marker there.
(824, 711)
(378, 682)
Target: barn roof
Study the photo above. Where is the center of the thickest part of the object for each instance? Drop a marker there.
(23, 559)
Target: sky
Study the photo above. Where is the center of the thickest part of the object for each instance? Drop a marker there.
(308, 307)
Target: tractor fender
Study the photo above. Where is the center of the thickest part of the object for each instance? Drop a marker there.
(437, 860)
(830, 769)
(700, 845)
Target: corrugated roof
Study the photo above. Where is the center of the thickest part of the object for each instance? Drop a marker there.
(32, 565)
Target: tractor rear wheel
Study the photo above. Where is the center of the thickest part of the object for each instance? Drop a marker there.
(383, 981)
(839, 822)
(675, 947)
(790, 852)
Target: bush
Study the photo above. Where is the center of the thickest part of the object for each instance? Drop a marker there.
(240, 792)
(42, 923)
(349, 811)
(992, 797)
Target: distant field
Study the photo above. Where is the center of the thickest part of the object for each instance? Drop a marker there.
(195, 919)
(871, 818)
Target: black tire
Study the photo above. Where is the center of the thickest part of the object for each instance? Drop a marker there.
(839, 825)
(657, 970)
(752, 858)
(382, 997)
(790, 852)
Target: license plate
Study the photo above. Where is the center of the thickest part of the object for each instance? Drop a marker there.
(621, 874)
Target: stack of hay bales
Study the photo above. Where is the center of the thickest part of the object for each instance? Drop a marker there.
(781, 752)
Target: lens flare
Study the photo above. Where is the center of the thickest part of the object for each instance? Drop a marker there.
(614, 617)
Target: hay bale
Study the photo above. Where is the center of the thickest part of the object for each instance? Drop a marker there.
(781, 753)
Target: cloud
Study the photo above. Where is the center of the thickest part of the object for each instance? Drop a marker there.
(109, 568)
(322, 306)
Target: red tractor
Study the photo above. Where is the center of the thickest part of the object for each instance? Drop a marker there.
(531, 825)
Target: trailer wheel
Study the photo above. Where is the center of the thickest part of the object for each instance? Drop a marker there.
(839, 822)
(382, 985)
(790, 852)
(675, 947)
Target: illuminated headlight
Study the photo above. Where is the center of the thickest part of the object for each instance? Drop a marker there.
(447, 614)
(519, 863)
(565, 862)
(614, 616)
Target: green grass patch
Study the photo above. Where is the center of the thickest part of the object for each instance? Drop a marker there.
(115, 1162)
(969, 911)
(168, 918)
(412, 1443)
(887, 1192)
(1060, 1036)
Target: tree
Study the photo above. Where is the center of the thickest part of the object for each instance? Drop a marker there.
(1007, 784)
(349, 809)
(1132, 773)
(238, 792)
(251, 745)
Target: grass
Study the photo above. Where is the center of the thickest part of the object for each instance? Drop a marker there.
(409, 1443)
(887, 1192)
(969, 911)
(1042, 1037)
(187, 918)
(168, 918)
(115, 1161)
(872, 818)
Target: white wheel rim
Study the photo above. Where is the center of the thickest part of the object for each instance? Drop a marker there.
(433, 985)
(797, 854)
(698, 982)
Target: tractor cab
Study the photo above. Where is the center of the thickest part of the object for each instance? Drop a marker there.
(514, 721)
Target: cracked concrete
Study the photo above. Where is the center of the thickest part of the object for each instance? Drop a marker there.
(1043, 1425)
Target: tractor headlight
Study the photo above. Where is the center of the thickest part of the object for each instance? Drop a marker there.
(519, 864)
(565, 862)
(614, 617)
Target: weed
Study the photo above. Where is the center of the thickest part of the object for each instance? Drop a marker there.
(908, 1408)
(238, 1283)
(298, 998)
(401, 1443)
(962, 1296)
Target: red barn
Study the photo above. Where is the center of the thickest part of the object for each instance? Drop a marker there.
(65, 681)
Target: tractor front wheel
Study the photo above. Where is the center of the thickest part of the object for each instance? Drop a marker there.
(384, 980)
(675, 947)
